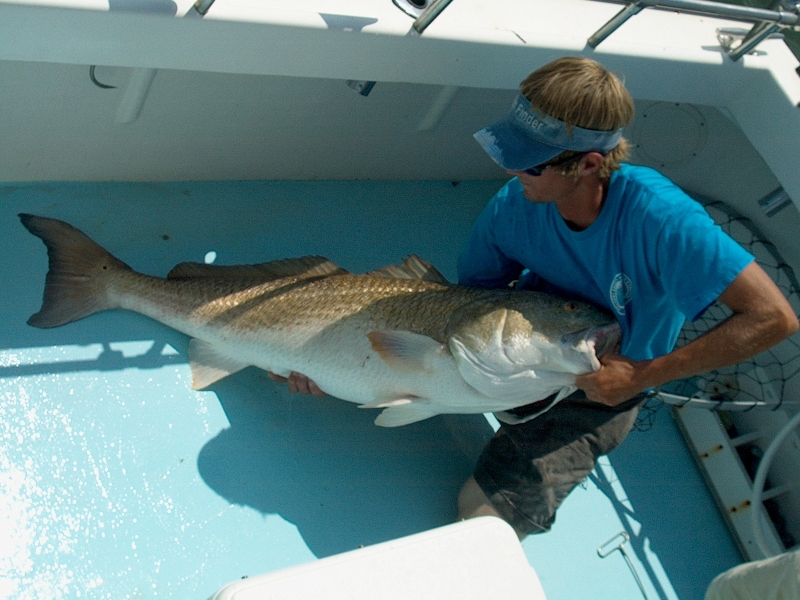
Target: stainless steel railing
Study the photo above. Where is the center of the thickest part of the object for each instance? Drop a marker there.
(783, 14)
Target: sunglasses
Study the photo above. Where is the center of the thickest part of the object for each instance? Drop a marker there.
(539, 169)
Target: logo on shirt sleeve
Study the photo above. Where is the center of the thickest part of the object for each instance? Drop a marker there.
(621, 292)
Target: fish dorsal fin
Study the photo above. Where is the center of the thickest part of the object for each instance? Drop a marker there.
(413, 267)
(304, 268)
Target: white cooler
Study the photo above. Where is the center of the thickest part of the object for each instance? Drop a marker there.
(476, 558)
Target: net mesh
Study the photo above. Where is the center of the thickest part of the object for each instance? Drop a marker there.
(760, 381)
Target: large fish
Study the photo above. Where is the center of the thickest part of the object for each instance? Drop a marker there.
(402, 338)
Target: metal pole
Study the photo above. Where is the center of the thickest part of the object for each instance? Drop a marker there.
(787, 14)
(614, 24)
(789, 17)
(758, 33)
(427, 17)
(729, 11)
(202, 6)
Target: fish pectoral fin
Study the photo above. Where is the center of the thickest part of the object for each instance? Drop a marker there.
(411, 412)
(405, 351)
(209, 366)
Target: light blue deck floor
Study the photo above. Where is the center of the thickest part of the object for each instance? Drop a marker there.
(117, 481)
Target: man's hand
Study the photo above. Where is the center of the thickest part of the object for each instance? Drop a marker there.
(615, 382)
(761, 318)
(298, 383)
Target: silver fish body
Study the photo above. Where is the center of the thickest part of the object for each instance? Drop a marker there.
(401, 338)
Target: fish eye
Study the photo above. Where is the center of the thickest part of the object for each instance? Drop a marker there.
(571, 306)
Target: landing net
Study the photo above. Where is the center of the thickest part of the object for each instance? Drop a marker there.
(758, 382)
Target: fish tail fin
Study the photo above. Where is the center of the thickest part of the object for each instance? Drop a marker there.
(76, 283)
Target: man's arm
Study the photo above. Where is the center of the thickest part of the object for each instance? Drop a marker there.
(761, 318)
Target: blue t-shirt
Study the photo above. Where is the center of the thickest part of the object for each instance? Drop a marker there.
(653, 256)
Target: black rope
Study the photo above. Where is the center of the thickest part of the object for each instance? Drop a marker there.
(97, 83)
(647, 413)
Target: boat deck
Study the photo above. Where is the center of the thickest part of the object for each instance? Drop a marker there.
(119, 481)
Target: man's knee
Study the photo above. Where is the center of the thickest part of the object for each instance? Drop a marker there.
(473, 502)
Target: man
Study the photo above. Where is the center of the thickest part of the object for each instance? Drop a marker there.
(575, 221)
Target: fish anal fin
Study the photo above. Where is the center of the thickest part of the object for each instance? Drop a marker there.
(303, 268)
(209, 366)
(404, 414)
(404, 350)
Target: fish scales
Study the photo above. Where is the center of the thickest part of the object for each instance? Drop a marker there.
(401, 338)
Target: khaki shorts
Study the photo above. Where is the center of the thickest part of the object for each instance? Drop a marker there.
(527, 470)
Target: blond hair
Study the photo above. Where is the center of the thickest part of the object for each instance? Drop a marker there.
(583, 93)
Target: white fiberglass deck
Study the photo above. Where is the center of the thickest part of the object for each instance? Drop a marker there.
(117, 481)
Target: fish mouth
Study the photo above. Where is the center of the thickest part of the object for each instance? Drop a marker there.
(598, 340)
(606, 338)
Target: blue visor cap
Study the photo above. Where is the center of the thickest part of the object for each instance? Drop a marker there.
(525, 138)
